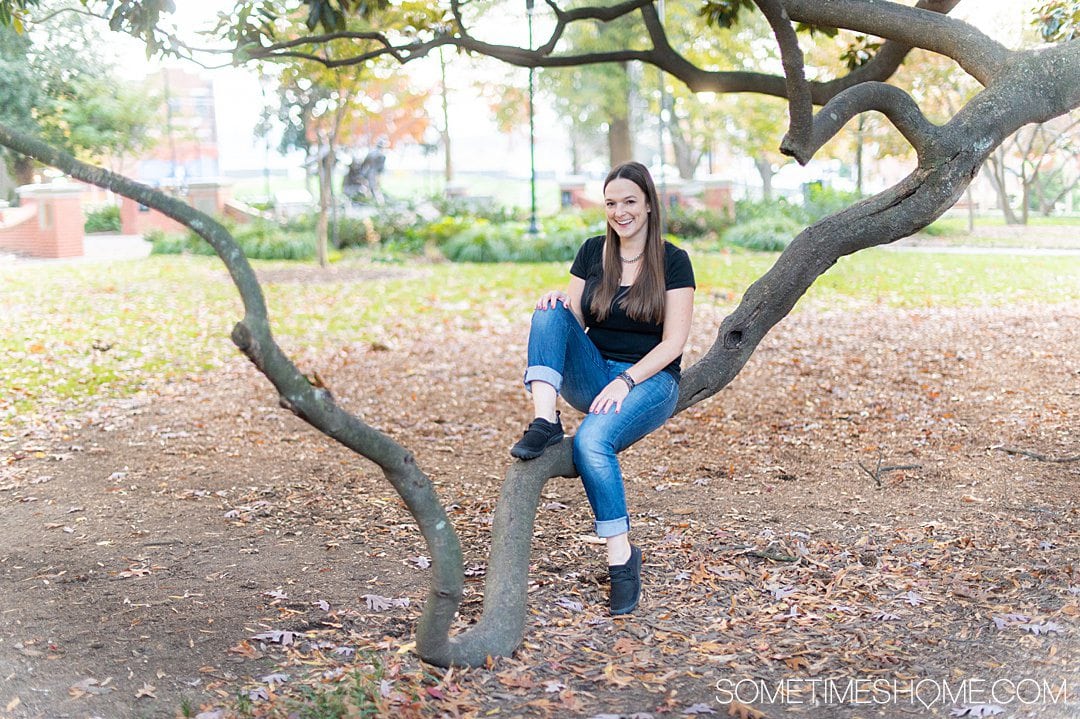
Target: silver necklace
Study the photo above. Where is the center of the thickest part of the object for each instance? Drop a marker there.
(632, 261)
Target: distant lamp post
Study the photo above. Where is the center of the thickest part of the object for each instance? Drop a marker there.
(533, 229)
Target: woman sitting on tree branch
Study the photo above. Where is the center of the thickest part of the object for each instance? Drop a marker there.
(612, 345)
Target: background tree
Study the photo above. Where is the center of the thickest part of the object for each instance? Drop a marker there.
(597, 98)
(323, 111)
(57, 82)
(1020, 87)
(1042, 160)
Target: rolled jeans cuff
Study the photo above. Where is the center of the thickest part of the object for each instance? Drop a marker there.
(543, 374)
(612, 527)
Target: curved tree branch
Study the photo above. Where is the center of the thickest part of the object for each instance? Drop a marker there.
(800, 106)
(979, 55)
(887, 99)
(313, 404)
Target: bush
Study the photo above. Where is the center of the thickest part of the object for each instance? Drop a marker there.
(103, 219)
(485, 208)
(259, 240)
(558, 240)
(765, 234)
(482, 242)
(747, 210)
(694, 224)
(822, 201)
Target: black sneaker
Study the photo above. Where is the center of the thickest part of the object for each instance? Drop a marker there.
(626, 584)
(540, 435)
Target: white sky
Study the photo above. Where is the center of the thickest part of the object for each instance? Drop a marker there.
(238, 93)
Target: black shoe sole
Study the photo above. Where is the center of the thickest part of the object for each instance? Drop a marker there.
(522, 453)
(629, 610)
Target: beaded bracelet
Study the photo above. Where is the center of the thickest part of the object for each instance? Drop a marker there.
(625, 377)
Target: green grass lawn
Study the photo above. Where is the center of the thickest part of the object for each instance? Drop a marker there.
(73, 332)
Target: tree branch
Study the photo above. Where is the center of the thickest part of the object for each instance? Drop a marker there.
(887, 99)
(979, 55)
(800, 105)
(312, 404)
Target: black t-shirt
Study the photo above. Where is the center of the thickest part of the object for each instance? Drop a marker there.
(619, 337)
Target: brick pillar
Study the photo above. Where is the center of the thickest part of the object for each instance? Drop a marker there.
(59, 224)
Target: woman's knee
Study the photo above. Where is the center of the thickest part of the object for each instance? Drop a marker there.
(554, 318)
(591, 445)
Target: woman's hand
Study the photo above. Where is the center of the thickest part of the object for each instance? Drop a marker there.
(551, 299)
(611, 396)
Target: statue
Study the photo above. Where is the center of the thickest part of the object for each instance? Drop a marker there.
(362, 180)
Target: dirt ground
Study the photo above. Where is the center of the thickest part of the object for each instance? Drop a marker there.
(168, 553)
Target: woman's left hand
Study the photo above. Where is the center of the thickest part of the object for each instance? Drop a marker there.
(611, 396)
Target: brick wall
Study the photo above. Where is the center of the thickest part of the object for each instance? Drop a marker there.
(18, 229)
(49, 223)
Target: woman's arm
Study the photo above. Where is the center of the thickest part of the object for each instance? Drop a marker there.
(678, 313)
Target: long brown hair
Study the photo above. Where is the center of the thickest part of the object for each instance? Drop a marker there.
(644, 301)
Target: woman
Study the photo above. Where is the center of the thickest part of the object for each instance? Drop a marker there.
(611, 345)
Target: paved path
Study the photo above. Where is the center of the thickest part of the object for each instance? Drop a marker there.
(977, 250)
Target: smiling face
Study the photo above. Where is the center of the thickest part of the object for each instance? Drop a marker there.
(627, 210)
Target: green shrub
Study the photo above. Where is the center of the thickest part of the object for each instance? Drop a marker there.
(162, 243)
(558, 240)
(103, 219)
(259, 240)
(481, 242)
(821, 201)
(694, 224)
(765, 234)
(481, 207)
(445, 228)
(747, 210)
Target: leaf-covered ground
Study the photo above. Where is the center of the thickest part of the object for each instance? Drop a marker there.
(195, 550)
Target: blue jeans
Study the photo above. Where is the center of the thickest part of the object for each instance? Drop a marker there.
(561, 354)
